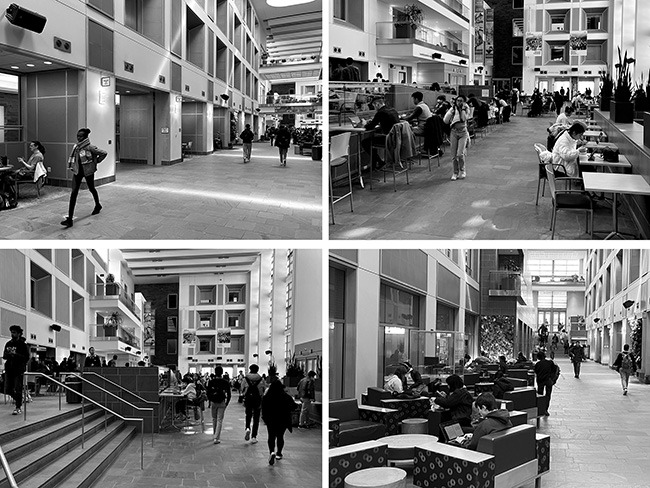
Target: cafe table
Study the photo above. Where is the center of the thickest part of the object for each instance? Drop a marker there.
(168, 399)
(615, 183)
(599, 162)
(592, 134)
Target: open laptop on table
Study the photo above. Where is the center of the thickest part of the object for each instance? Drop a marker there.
(356, 121)
(453, 433)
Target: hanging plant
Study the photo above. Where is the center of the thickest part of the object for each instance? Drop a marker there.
(113, 321)
(497, 335)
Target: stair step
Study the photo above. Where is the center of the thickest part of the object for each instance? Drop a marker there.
(38, 426)
(74, 461)
(30, 442)
(36, 460)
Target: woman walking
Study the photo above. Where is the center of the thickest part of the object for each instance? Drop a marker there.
(277, 406)
(83, 162)
(283, 142)
(457, 117)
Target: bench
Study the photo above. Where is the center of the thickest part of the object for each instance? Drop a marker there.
(352, 423)
(406, 409)
(524, 400)
(348, 459)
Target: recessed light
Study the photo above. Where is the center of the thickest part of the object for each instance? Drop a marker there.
(128, 91)
(15, 67)
(29, 65)
(286, 3)
(47, 62)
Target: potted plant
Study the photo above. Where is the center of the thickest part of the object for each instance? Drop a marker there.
(112, 323)
(622, 108)
(606, 90)
(294, 372)
(112, 288)
(408, 21)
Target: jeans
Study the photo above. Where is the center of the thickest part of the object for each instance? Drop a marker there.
(218, 411)
(253, 413)
(576, 368)
(625, 377)
(15, 387)
(283, 154)
(458, 139)
(304, 411)
(548, 386)
(76, 184)
(248, 148)
(276, 436)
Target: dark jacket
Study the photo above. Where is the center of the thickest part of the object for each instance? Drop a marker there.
(221, 384)
(544, 370)
(306, 388)
(619, 361)
(386, 118)
(247, 136)
(92, 362)
(283, 139)
(494, 421)
(277, 406)
(16, 363)
(577, 354)
(459, 403)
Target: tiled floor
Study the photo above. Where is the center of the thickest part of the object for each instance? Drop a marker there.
(599, 438)
(191, 459)
(495, 201)
(205, 197)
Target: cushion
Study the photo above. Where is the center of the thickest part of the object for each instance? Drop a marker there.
(376, 395)
(511, 447)
(360, 431)
(572, 200)
(345, 410)
(522, 398)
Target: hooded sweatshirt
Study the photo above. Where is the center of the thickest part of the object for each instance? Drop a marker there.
(493, 422)
(16, 363)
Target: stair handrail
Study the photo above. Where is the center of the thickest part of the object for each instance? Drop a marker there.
(122, 388)
(7, 469)
(83, 409)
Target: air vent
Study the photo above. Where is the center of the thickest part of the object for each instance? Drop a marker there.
(337, 50)
(362, 54)
(62, 45)
(128, 67)
(162, 79)
(32, 336)
(187, 87)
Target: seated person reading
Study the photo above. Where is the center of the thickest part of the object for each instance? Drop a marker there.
(189, 395)
(565, 150)
(492, 419)
(458, 403)
(420, 113)
(395, 381)
(564, 118)
(385, 118)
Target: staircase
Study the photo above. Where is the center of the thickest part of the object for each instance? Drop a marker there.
(46, 452)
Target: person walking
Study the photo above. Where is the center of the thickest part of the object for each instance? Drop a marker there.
(457, 117)
(277, 406)
(544, 370)
(16, 355)
(625, 365)
(307, 393)
(219, 394)
(577, 355)
(92, 360)
(283, 142)
(83, 162)
(253, 391)
(247, 137)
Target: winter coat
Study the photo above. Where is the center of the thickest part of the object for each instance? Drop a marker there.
(277, 406)
(494, 421)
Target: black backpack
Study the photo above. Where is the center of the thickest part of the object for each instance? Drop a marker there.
(215, 393)
(252, 396)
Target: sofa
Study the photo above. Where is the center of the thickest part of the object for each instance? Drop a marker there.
(352, 423)
(523, 399)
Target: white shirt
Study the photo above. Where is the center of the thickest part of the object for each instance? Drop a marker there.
(563, 119)
(565, 152)
(394, 384)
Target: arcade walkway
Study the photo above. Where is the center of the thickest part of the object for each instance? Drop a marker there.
(205, 197)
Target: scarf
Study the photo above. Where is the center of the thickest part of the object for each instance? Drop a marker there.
(79, 155)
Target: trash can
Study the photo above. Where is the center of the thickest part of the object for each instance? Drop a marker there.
(316, 153)
(75, 384)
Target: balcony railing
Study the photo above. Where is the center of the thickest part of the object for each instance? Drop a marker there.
(113, 290)
(558, 280)
(420, 33)
(505, 283)
(104, 331)
(456, 6)
(291, 99)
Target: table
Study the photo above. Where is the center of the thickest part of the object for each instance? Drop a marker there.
(599, 146)
(592, 134)
(167, 412)
(598, 161)
(615, 183)
(383, 477)
(401, 447)
(415, 426)
(3, 170)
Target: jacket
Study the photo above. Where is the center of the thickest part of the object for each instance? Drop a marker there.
(400, 143)
(92, 362)
(565, 153)
(90, 167)
(434, 133)
(306, 388)
(544, 370)
(459, 402)
(283, 139)
(494, 422)
(277, 406)
(16, 355)
(386, 118)
(247, 136)
(619, 361)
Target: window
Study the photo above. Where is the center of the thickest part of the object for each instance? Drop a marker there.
(517, 27)
(517, 3)
(594, 21)
(172, 324)
(349, 11)
(41, 290)
(235, 293)
(557, 53)
(206, 345)
(445, 317)
(340, 9)
(206, 320)
(172, 301)
(236, 319)
(172, 346)
(206, 295)
(517, 55)
(398, 307)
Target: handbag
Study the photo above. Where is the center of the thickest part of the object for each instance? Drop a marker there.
(610, 155)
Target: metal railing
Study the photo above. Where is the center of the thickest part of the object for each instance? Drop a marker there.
(506, 281)
(106, 331)
(418, 32)
(7, 470)
(456, 6)
(83, 408)
(110, 290)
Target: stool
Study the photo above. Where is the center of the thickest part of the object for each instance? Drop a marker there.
(383, 477)
(415, 426)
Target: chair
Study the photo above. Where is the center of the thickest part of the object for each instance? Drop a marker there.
(541, 170)
(39, 183)
(397, 153)
(568, 200)
(187, 148)
(428, 139)
(339, 156)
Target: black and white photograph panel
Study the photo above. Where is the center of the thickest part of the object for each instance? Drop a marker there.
(488, 119)
(170, 368)
(489, 367)
(161, 119)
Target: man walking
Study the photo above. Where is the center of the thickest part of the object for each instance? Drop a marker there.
(16, 355)
(625, 364)
(577, 354)
(253, 391)
(218, 392)
(545, 370)
(247, 137)
(307, 393)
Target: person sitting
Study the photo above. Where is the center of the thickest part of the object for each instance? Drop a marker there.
(417, 387)
(420, 113)
(442, 106)
(566, 149)
(458, 403)
(385, 118)
(189, 395)
(492, 419)
(564, 118)
(395, 381)
(33, 168)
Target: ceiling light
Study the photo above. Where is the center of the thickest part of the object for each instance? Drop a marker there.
(30, 65)
(47, 62)
(286, 3)
(15, 67)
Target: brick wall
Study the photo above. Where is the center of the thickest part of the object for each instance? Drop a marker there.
(156, 295)
(503, 40)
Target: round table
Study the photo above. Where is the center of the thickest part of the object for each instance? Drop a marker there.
(401, 447)
(383, 477)
(415, 426)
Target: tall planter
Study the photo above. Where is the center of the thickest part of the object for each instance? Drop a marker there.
(605, 104)
(621, 112)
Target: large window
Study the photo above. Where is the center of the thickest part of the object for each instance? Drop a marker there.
(350, 11)
(517, 55)
(594, 21)
(41, 290)
(445, 317)
(398, 307)
(551, 308)
(550, 270)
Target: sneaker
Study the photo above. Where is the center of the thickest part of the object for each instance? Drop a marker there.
(278, 456)
(254, 440)
(272, 459)
(546, 414)
(17, 411)
(247, 436)
(462, 175)
(66, 223)
(216, 441)
(97, 209)
(454, 177)
(624, 393)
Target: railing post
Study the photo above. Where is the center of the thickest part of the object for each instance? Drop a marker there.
(23, 395)
(142, 445)
(152, 428)
(7, 470)
(83, 420)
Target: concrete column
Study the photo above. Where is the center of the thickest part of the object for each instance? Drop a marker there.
(100, 119)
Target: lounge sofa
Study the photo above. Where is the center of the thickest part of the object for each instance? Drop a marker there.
(352, 423)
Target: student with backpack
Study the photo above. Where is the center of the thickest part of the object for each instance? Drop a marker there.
(307, 394)
(253, 391)
(547, 373)
(218, 392)
(625, 364)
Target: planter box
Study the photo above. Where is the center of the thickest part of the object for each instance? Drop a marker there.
(605, 104)
(646, 129)
(621, 112)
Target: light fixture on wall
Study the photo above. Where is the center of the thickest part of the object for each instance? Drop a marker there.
(286, 3)
(55, 327)
(224, 97)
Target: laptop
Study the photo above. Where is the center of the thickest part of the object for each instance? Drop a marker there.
(453, 433)
(356, 121)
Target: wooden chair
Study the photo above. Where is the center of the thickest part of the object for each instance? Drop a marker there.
(576, 200)
(339, 156)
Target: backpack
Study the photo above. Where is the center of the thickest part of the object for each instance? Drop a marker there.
(8, 201)
(556, 373)
(215, 394)
(252, 396)
(626, 362)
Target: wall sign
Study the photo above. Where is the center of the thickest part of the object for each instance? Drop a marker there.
(106, 81)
